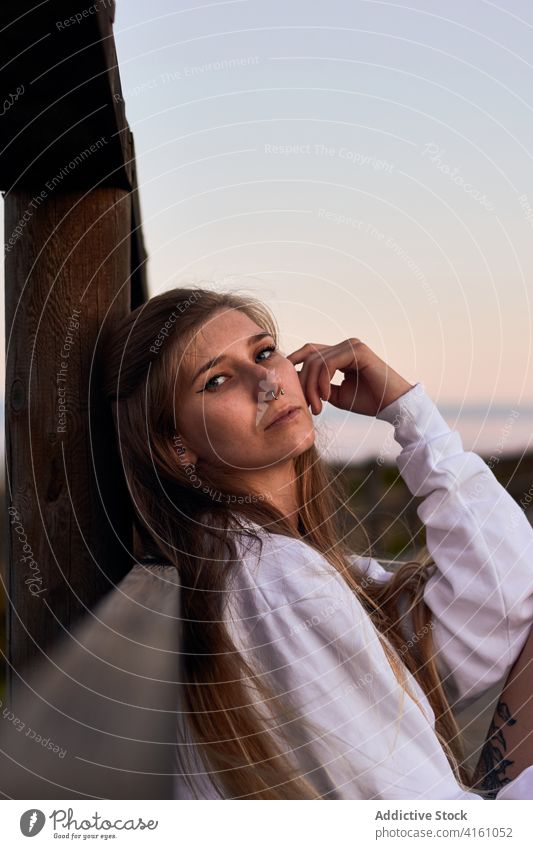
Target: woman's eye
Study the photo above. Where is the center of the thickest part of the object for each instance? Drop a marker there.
(270, 348)
(210, 386)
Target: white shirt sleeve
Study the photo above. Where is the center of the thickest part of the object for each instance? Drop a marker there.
(300, 625)
(481, 594)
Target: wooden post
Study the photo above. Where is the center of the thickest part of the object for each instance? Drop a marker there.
(70, 522)
(75, 258)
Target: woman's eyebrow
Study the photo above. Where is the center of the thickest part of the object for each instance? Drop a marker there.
(216, 360)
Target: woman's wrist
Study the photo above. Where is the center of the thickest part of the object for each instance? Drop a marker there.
(394, 392)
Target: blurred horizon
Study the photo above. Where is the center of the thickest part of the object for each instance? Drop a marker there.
(499, 430)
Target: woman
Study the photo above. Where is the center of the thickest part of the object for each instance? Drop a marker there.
(309, 671)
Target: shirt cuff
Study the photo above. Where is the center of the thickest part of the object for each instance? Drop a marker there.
(414, 416)
(520, 787)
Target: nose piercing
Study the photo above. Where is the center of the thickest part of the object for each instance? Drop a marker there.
(274, 396)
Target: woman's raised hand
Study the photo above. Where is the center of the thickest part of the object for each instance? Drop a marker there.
(369, 383)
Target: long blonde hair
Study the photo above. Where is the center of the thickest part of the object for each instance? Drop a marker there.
(180, 522)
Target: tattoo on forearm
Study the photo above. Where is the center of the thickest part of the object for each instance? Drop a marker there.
(490, 771)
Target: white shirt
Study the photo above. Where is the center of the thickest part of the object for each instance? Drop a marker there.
(293, 612)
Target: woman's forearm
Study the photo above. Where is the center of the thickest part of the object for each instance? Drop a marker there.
(508, 748)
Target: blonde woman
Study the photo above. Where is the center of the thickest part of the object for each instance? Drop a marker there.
(308, 670)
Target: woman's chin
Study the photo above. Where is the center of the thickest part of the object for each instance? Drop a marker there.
(294, 444)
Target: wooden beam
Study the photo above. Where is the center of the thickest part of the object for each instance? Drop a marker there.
(64, 117)
(67, 270)
(139, 256)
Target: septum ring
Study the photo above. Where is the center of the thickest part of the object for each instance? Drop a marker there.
(274, 396)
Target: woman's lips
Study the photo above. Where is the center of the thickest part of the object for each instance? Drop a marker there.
(288, 417)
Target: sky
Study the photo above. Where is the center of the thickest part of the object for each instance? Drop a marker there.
(366, 168)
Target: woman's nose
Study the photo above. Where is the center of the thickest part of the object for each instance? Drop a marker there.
(269, 385)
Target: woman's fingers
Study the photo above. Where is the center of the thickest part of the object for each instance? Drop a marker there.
(320, 362)
(305, 352)
(324, 381)
(334, 394)
(369, 384)
(312, 357)
(320, 370)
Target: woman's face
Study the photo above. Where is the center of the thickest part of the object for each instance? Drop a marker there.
(224, 411)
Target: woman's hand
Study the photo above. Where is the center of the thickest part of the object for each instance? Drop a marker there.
(369, 383)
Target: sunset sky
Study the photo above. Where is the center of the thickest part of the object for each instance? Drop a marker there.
(364, 167)
(250, 118)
